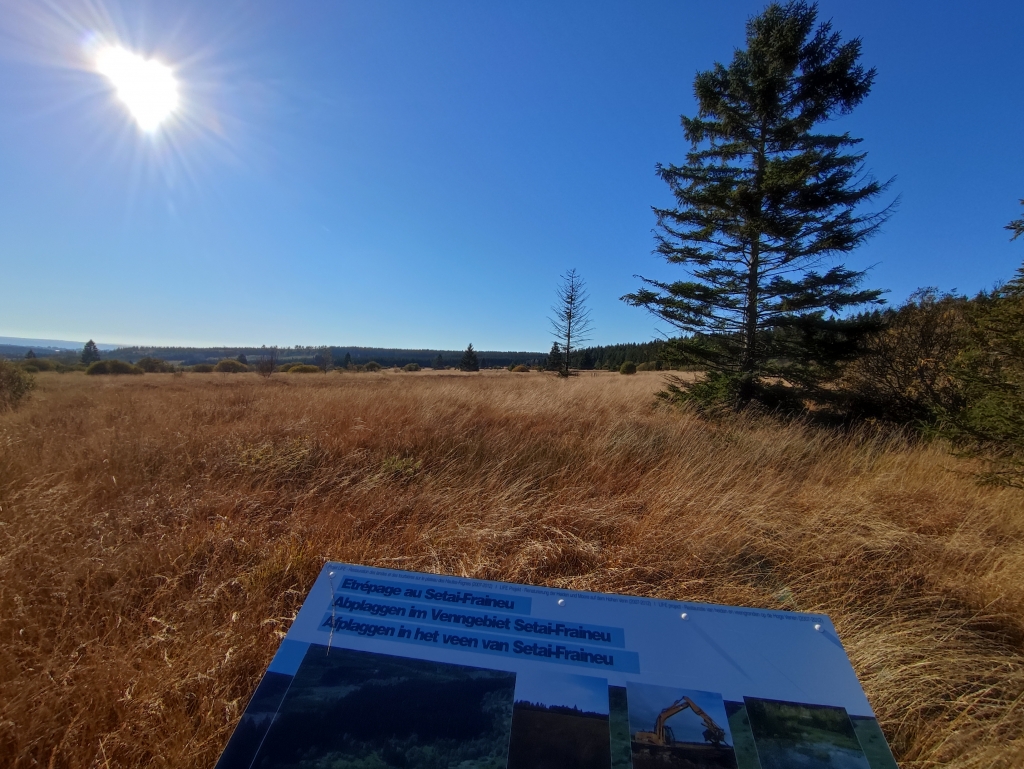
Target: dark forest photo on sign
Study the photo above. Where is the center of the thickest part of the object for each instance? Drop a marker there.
(361, 710)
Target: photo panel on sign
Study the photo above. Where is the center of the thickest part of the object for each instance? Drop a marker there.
(678, 728)
(794, 735)
(560, 721)
(355, 708)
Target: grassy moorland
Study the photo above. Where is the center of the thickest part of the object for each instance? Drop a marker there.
(158, 533)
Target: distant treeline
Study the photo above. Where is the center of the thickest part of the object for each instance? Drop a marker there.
(17, 352)
(561, 709)
(386, 357)
(609, 357)
(612, 356)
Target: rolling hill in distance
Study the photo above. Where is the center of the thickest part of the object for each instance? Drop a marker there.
(49, 344)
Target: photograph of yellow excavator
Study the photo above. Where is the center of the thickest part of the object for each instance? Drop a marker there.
(663, 735)
(678, 729)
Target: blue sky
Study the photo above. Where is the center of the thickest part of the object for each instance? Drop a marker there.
(566, 689)
(419, 174)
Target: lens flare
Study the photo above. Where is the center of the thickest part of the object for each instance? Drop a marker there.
(147, 87)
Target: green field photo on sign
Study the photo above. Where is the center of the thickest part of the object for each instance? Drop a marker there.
(792, 735)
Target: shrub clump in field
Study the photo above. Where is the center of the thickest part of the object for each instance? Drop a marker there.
(304, 368)
(907, 372)
(15, 385)
(154, 365)
(411, 367)
(230, 366)
(112, 367)
(202, 368)
(520, 369)
(372, 366)
(34, 365)
(629, 367)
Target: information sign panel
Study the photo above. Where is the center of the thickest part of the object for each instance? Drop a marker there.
(386, 668)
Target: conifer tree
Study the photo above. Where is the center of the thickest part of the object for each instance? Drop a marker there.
(1016, 226)
(570, 320)
(992, 376)
(469, 361)
(555, 357)
(90, 353)
(438, 363)
(763, 204)
(30, 355)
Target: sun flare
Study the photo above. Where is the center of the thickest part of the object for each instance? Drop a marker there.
(147, 87)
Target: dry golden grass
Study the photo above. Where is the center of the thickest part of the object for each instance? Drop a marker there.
(157, 535)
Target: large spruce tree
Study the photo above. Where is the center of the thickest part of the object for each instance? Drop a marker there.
(764, 203)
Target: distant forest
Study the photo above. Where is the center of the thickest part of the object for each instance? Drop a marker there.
(599, 357)
(603, 357)
(560, 709)
(612, 356)
(386, 357)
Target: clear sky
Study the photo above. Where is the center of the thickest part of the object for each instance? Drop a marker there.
(568, 690)
(418, 174)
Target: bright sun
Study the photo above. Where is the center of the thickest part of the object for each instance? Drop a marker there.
(147, 87)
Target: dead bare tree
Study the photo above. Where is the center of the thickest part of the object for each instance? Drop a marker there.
(571, 321)
(324, 358)
(268, 361)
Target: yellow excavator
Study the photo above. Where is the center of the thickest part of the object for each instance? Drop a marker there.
(662, 735)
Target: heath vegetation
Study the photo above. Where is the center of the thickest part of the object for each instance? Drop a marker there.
(158, 534)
